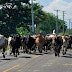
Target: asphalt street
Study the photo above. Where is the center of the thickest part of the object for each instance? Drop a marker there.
(36, 62)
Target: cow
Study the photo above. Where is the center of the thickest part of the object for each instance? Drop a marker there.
(3, 44)
(65, 44)
(40, 41)
(57, 43)
(48, 43)
(70, 41)
(24, 42)
(28, 43)
(34, 36)
(15, 44)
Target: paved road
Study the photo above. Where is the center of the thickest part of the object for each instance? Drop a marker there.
(45, 62)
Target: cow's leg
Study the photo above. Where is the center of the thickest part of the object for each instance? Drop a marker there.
(21, 48)
(58, 54)
(10, 50)
(40, 49)
(62, 49)
(13, 50)
(35, 48)
(3, 53)
(17, 51)
(29, 50)
(24, 49)
(65, 50)
(46, 47)
(55, 54)
(55, 51)
(14, 53)
(43, 48)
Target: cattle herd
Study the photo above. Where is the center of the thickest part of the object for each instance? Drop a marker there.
(35, 42)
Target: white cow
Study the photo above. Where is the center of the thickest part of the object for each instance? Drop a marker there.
(3, 44)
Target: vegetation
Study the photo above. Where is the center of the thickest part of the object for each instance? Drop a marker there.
(15, 17)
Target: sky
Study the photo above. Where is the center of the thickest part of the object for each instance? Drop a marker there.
(62, 5)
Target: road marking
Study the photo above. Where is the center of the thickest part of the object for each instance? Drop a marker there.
(67, 64)
(36, 56)
(17, 65)
(11, 68)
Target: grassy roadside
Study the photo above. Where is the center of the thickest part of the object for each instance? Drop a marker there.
(2, 49)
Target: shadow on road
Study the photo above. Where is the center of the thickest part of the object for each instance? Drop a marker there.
(24, 57)
(8, 58)
(46, 53)
(39, 54)
(67, 56)
(36, 53)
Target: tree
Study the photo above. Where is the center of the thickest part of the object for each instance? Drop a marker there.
(12, 13)
(49, 24)
(15, 15)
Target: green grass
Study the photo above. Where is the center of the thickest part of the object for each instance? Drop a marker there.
(7, 49)
(61, 34)
(65, 34)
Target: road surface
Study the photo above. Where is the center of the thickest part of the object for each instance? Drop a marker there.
(45, 62)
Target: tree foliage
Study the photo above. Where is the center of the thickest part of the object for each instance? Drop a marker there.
(15, 16)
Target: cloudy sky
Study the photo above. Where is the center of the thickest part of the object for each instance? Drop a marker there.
(62, 5)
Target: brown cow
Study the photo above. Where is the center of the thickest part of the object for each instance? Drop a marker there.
(40, 41)
(34, 36)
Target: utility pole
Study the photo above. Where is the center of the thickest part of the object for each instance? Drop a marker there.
(63, 23)
(69, 26)
(57, 22)
(32, 18)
